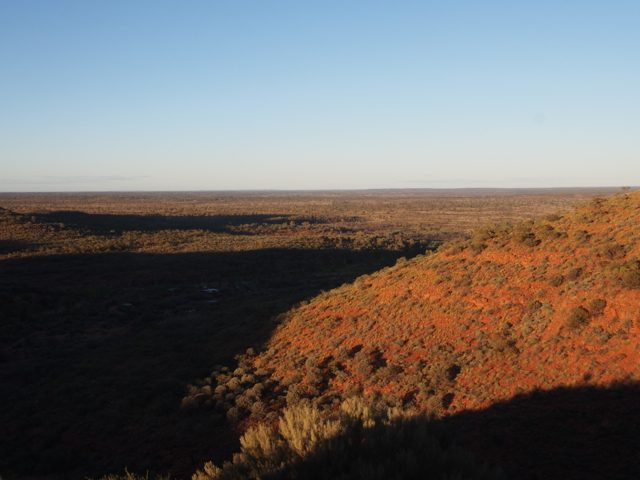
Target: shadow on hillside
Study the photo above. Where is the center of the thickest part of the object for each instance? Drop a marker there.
(270, 267)
(104, 223)
(91, 386)
(97, 350)
(566, 433)
(11, 246)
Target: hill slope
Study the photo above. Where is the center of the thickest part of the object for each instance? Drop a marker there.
(541, 304)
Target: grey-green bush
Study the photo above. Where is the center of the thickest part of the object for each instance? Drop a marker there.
(356, 443)
(132, 476)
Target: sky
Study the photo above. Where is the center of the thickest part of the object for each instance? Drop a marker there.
(295, 95)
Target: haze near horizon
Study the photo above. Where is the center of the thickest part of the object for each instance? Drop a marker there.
(124, 96)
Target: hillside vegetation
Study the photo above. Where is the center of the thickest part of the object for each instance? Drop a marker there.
(511, 312)
(358, 442)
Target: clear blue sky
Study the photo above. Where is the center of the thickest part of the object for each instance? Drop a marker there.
(222, 95)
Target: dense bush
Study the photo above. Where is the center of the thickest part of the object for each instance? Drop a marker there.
(631, 277)
(578, 317)
(597, 305)
(357, 442)
(556, 280)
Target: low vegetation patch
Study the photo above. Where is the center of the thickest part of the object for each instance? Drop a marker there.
(354, 443)
(578, 317)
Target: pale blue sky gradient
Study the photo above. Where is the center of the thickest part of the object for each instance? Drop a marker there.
(227, 95)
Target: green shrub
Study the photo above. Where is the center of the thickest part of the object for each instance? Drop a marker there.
(477, 247)
(598, 305)
(612, 251)
(442, 374)
(556, 280)
(483, 234)
(357, 443)
(578, 317)
(631, 277)
(548, 232)
(580, 236)
(574, 273)
(534, 305)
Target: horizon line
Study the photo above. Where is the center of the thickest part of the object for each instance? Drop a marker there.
(327, 190)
